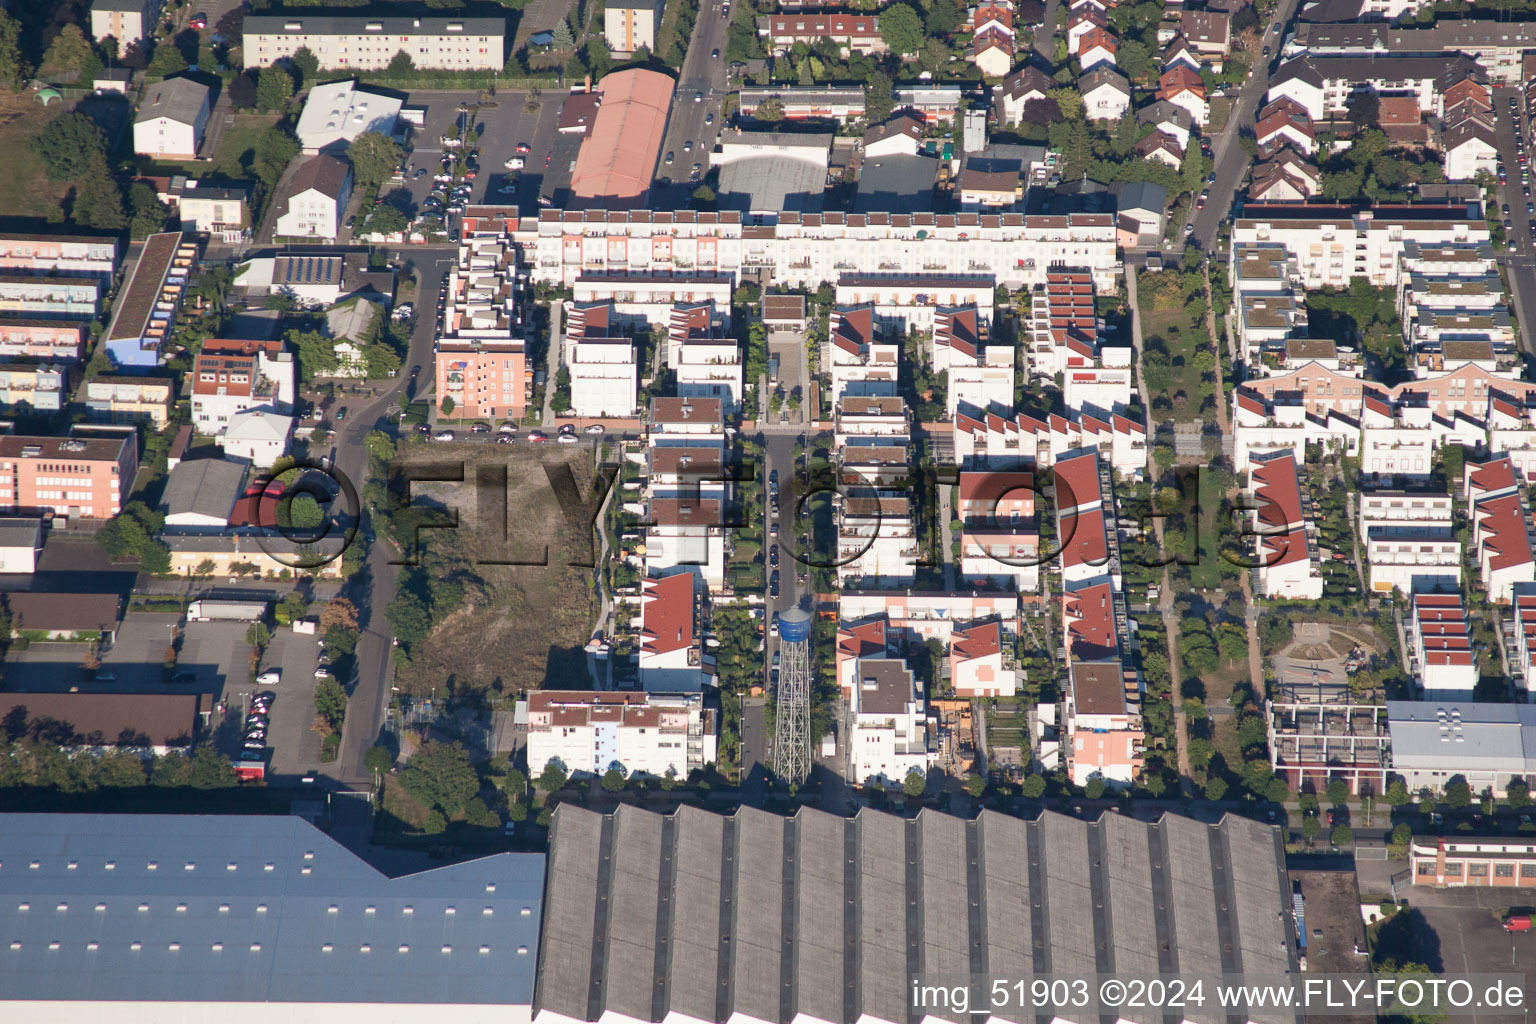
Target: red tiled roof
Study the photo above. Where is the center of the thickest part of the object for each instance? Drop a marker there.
(1090, 619)
(980, 640)
(1279, 492)
(667, 614)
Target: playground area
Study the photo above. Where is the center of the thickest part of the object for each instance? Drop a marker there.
(1317, 664)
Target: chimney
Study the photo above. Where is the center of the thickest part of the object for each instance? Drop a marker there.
(589, 81)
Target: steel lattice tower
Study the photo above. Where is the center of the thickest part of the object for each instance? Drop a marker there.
(792, 700)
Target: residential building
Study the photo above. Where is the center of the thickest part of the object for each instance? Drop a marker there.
(61, 256)
(1170, 119)
(1317, 734)
(146, 307)
(1500, 527)
(1267, 323)
(670, 649)
(315, 198)
(932, 103)
(1185, 89)
(992, 440)
(220, 211)
(804, 250)
(980, 376)
(1106, 94)
(1324, 85)
(647, 298)
(1496, 46)
(1285, 176)
(336, 113)
(706, 360)
(232, 376)
(361, 43)
(1080, 22)
(981, 660)
(852, 33)
(1095, 48)
(52, 341)
(876, 538)
(999, 538)
(1408, 540)
(865, 638)
(257, 555)
(148, 400)
(686, 490)
(1026, 85)
(1285, 123)
(1285, 550)
(29, 387)
(83, 475)
(171, 119)
(259, 436)
(1178, 53)
(352, 325)
(630, 26)
(902, 135)
(1162, 147)
(127, 21)
(1470, 149)
(1446, 862)
(1144, 204)
(1440, 653)
(29, 295)
(905, 302)
(1270, 422)
(641, 734)
(480, 355)
(858, 356)
(889, 719)
(1209, 32)
(1107, 737)
(604, 373)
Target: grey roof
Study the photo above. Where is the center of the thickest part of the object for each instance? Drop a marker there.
(1103, 74)
(1141, 195)
(21, 532)
(180, 99)
(770, 181)
(1467, 736)
(259, 909)
(885, 686)
(207, 487)
(1162, 110)
(354, 24)
(828, 917)
(900, 183)
(132, 6)
(352, 319)
(1376, 67)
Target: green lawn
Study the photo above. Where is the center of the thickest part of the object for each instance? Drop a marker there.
(24, 190)
(238, 140)
(1172, 309)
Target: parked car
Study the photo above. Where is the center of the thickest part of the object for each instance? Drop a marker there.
(595, 429)
(568, 439)
(271, 677)
(479, 428)
(198, 21)
(537, 435)
(515, 163)
(443, 435)
(669, 157)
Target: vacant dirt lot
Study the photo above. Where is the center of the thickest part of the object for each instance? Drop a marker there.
(24, 190)
(526, 610)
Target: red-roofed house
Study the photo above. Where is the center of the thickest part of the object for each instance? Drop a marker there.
(991, 47)
(980, 376)
(999, 541)
(669, 652)
(1097, 47)
(1440, 641)
(857, 33)
(1082, 21)
(1500, 527)
(1088, 613)
(1080, 526)
(868, 638)
(858, 355)
(1184, 88)
(231, 376)
(1288, 566)
(981, 660)
(1284, 123)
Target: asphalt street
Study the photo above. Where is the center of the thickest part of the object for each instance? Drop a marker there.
(1518, 257)
(1231, 159)
(701, 74)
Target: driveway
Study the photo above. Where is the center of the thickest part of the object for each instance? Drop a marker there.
(291, 739)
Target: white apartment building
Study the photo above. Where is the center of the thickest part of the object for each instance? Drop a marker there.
(127, 21)
(1085, 516)
(1265, 321)
(1262, 426)
(805, 250)
(354, 43)
(651, 297)
(480, 349)
(711, 368)
(1062, 321)
(857, 356)
(917, 616)
(913, 302)
(336, 113)
(1284, 545)
(1512, 433)
(317, 194)
(685, 490)
(229, 377)
(991, 440)
(1520, 633)
(876, 538)
(1104, 728)
(1324, 85)
(628, 26)
(1399, 441)
(981, 376)
(604, 374)
(1409, 542)
(871, 415)
(889, 738)
(981, 660)
(999, 538)
(1332, 244)
(171, 120)
(650, 734)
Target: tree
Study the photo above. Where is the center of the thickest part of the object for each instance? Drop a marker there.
(942, 18)
(1337, 791)
(317, 353)
(1457, 793)
(1310, 827)
(1342, 835)
(1216, 788)
(1277, 791)
(933, 55)
(901, 29)
(14, 69)
(307, 65)
(1397, 792)
(374, 157)
(1134, 60)
(400, 65)
(409, 619)
(975, 785)
(1365, 109)
(242, 91)
(69, 146)
(553, 778)
(71, 51)
(1033, 786)
(915, 784)
(879, 98)
(331, 701)
(613, 779)
(564, 40)
(167, 61)
(1094, 790)
(99, 198)
(147, 212)
(1402, 835)
(171, 770)
(274, 88)
(155, 559)
(441, 776)
(448, 405)
(339, 611)
(210, 770)
(1518, 793)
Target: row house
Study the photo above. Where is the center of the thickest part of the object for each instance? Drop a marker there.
(52, 341)
(999, 538)
(875, 415)
(917, 616)
(1321, 391)
(851, 33)
(1262, 426)
(1520, 636)
(992, 38)
(646, 734)
(58, 255)
(1325, 85)
(649, 297)
(992, 440)
(1399, 441)
(1064, 340)
(1185, 89)
(1284, 176)
(1282, 124)
(861, 363)
(981, 376)
(28, 296)
(841, 103)
(1500, 526)
(29, 387)
(480, 352)
(362, 43)
(1409, 541)
(1440, 654)
(805, 250)
(1512, 433)
(147, 306)
(1266, 322)
(671, 652)
(981, 660)
(704, 357)
(911, 302)
(687, 493)
(1285, 549)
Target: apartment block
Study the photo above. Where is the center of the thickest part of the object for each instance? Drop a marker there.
(1285, 547)
(908, 302)
(1408, 540)
(629, 26)
(358, 43)
(991, 440)
(83, 476)
(650, 297)
(646, 734)
(1398, 442)
(604, 372)
(805, 250)
(686, 491)
(1319, 391)
(852, 33)
(27, 296)
(1501, 537)
(981, 660)
(58, 255)
(28, 387)
(670, 648)
(146, 307)
(1440, 654)
(50, 341)
(889, 736)
(126, 21)
(704, 357)
(862, 363)
(480, 355)
(806, 102)
(999, 538)
(233, 376)
(980, 375)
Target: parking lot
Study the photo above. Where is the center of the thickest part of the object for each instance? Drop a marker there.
(292, 744)
(503, 127)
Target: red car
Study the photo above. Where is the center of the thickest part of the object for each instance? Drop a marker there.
(198, 21)
(523, 147)
(537, 435)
